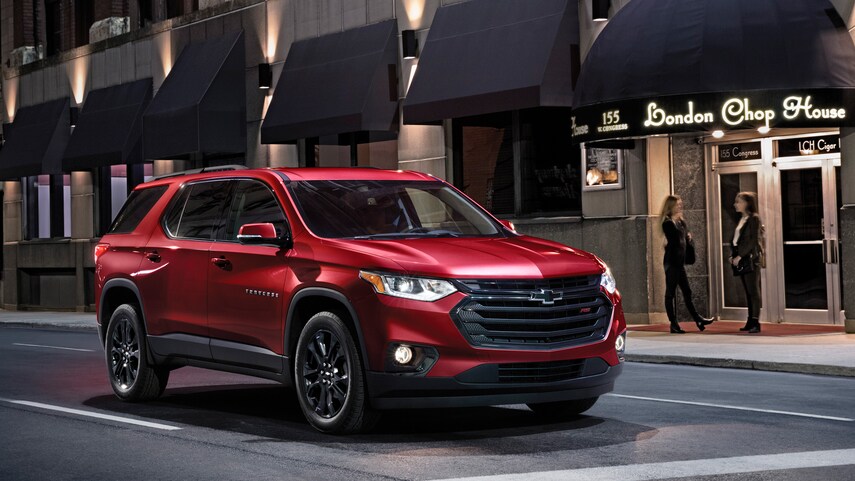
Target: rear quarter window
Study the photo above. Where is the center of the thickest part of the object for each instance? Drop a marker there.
(137, 206)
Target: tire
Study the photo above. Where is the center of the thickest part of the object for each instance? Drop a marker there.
(330, 379)
(563, 409)
(131, 376)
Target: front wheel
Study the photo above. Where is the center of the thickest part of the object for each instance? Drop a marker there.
(563, 409)
(131, 376)
(330, 379)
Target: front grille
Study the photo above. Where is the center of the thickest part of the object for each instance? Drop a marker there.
(518, 313)
(526, 372)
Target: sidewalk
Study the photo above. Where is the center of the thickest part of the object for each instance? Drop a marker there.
(782, 347)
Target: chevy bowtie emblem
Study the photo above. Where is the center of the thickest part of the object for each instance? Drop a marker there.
(545, 296)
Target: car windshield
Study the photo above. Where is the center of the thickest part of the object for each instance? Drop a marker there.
(388, 209)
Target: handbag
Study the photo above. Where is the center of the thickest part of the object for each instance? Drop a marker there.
(745, 266)
(691, 257)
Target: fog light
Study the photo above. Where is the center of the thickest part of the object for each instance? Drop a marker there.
(403, 355)
(620, 346)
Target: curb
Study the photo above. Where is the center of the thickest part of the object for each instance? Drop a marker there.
(790, 367)
(50, 325)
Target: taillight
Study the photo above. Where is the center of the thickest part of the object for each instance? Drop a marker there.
(100, 249)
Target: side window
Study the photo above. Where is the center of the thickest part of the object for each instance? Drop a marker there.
(197, 211)
(253, 203)
(136, 208)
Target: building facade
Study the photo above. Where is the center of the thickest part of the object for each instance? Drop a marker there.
(536, 109)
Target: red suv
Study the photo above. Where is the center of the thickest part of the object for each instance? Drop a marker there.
(365, 289)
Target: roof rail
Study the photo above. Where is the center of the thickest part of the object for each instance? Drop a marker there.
(213, 168)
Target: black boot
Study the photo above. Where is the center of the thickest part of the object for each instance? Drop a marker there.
(671, 309)
(702, 322)
(755, 326)
(747, 325)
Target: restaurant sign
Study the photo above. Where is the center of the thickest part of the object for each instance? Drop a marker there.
(716, 111)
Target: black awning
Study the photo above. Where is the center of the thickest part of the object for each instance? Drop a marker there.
(201, 106)
(671, 52)
(109, 127)
(36, 140)
(344, 82)
(485, 56)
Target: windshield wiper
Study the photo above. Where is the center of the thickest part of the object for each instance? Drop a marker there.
(399, 235)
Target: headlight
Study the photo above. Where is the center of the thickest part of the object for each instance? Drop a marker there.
(608, 281)
(416, 288)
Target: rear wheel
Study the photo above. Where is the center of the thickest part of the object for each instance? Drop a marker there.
(563, 409)
(131, 376)
(330, 379)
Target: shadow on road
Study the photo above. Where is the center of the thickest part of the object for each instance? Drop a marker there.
(271, 413)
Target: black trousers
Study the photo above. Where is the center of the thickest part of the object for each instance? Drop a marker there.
(675, 276)
(751, 283)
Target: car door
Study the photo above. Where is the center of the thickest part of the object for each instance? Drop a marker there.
(174, 270)
(245, 285)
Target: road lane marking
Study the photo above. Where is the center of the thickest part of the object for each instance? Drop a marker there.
(736, 408)
(52, 347)
(688, 469)
(91, 414)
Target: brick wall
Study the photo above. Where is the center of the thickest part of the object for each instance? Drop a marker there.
(111, 8)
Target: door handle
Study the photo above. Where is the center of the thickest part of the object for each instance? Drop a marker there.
(835, 249)
(153, 256)
(221, 262)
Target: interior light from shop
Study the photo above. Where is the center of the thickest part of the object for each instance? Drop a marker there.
(718, 134)
(265, 76)
(73, 114)
(600, 10)
(409, 44)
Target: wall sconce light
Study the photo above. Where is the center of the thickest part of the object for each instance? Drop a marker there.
(409, 44)
(73, 114)
(600, 10)
(265, 76)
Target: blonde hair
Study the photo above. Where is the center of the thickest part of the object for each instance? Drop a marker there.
(668, 207)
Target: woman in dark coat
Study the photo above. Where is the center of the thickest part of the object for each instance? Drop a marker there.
(677, 234)
(746, 249)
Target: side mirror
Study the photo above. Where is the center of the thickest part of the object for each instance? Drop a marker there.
(508, 225)
(262, 234)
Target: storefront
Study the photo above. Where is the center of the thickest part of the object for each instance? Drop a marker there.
(738, 101)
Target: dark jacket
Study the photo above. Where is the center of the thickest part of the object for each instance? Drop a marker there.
(749, 239)
(675, 234)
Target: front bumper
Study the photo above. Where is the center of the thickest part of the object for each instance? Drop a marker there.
(480, 386)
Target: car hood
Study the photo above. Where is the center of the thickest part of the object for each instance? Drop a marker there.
(462, 258)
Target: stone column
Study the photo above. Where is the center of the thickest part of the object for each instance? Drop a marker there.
(846, 224)
(12, 213)
(82, 230)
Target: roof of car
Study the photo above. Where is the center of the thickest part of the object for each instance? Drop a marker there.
(297, 174)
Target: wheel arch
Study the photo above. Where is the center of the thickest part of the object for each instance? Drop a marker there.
(320, 299)
(116, 292)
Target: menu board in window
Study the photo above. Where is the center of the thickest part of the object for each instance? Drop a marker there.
(603, 169)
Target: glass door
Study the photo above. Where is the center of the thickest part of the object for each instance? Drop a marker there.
(805, 263)
(731, 181)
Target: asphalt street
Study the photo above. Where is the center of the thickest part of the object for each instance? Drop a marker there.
(60, 420)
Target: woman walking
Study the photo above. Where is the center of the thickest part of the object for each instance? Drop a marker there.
(679, 239)
(745, 255)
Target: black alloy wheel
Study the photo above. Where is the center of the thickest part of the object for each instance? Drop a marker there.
(326, 374)
(330, 377)
(132, 376)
